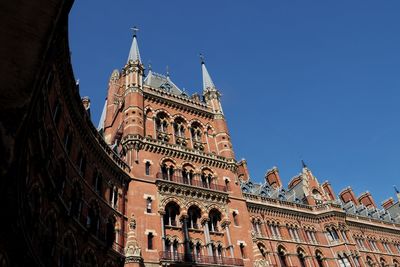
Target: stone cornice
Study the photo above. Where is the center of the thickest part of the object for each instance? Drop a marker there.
(178, 101)
(172, 150)
(187, 191)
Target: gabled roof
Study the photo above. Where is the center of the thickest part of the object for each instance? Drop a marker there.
(160, 81)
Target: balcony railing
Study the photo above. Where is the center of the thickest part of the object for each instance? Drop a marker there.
(199, 259)
(193, 182)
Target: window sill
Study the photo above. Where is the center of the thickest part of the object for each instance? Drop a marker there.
(151, 214)
(151, 250)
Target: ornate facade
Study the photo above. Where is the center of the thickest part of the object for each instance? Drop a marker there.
(157, 183)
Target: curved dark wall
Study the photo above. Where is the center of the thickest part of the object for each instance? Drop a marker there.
(62, 189)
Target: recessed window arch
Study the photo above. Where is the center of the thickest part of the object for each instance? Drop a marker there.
(214, 220)
(110, 231)
(98, 182)
(161, 122)
(301, 256)
(50, 234)
(282, 256)
(149, 204)
(194, 215)
(93, 218)
(167, 170)
(76, 200)
(172, 211)
(68, 251)
(235, 216)
(196, 132)
(262, 249)
(147, 167)
(89, 259)
(4, 262)
(188, 174)
(207, 179)
(320, 258)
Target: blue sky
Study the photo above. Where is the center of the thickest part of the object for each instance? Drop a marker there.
(312, 80)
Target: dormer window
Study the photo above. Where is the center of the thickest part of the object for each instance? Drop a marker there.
(166, 86)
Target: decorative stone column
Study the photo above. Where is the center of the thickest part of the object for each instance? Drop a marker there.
(133, 257)
(225, 225)
(162, 229)
(207, 237)
(187, 252)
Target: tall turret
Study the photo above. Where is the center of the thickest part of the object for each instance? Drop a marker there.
(212, 97)
(133, 75)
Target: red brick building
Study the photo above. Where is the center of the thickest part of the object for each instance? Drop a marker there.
(194, 203)
(157, 183)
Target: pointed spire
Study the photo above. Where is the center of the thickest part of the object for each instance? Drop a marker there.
(207, 81)
(134, 51)
(397, 192)
(100, 127)
(303, 164)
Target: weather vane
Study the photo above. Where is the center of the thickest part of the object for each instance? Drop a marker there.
(201, 58)
(135, 30)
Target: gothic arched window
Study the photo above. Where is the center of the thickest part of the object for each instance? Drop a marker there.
(171, 214)
(215, 218)
(194, 213)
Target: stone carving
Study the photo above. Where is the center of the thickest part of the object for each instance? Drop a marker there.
(132, 224)
(261, 263)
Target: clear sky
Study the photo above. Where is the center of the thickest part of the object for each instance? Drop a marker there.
(313, 80)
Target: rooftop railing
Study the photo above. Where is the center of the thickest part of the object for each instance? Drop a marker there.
(193, 182)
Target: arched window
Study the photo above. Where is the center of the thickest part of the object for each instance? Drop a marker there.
(207, 180)
(113, 196)
(235, 218)
(171, 213)
(67, 255)
(382, 262)
(57, 112)
(98, 183)
(194, 213)
(76, 200)
(301, 257)
(89, 259)
(150, 238)
(60, 176)
(93, 219)
(179, 131)
(370, 262)
(49, 235)
(162, 127)
(282, 256)
(147, 167)
(395, 263)
(110, 231)
(196, 134)
(149, 203)
(320, 258)
(167, 172)
(68, 141)
(343, 261)
(242, 248)
(215, 218)
(262, 249)
(188, 175)
(197, 249)
(35, 203)
(81, 163)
